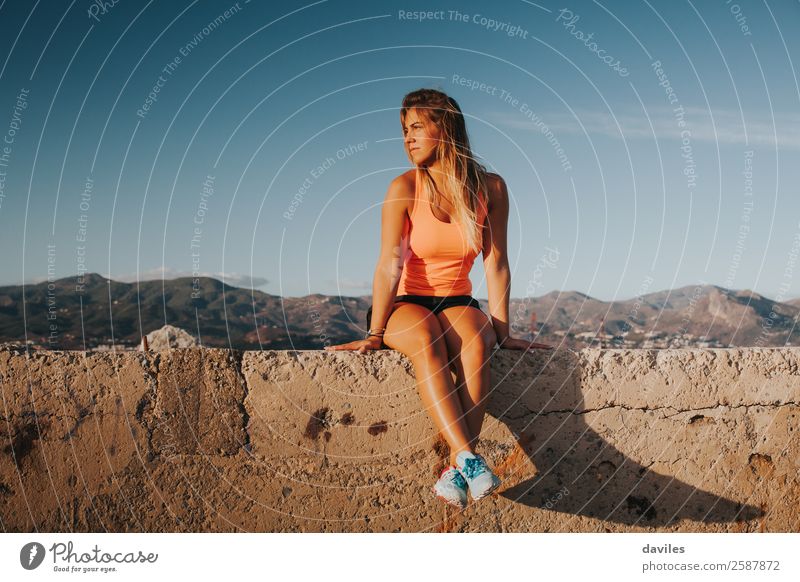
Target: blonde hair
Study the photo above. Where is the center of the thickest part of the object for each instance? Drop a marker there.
(464, 176)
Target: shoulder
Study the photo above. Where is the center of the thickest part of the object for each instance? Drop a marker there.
(400, 194)
(401, 189)
(407, 179)
(496, 190)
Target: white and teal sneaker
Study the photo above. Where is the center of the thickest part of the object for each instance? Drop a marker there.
(479, 477)
(451, 488)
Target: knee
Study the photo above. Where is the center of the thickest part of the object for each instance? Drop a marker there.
(428, 343)
(478, 349)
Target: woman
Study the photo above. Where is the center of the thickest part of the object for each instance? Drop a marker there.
(435, 220)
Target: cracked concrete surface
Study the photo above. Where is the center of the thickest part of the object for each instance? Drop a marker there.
(217, 440)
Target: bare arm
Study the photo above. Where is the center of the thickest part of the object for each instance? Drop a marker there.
(390, 263)
(390, 260)
(495, 257)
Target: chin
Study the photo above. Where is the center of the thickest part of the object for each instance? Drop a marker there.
(421, 160)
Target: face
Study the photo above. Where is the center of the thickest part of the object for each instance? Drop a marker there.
(421, 137)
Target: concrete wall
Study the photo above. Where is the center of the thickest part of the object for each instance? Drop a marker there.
(211, 440)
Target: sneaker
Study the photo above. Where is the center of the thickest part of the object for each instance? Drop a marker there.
(451, 488)
(476, 472)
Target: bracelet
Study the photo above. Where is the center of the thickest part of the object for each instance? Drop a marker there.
(375, 331)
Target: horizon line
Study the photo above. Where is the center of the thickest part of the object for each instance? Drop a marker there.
(174, 278)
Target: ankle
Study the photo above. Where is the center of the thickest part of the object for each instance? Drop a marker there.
(455, 454)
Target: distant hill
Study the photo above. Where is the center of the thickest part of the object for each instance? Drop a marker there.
(706, 314)
(221, 316)
(225, 316)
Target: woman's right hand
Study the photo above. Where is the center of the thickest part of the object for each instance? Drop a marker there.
(373, 342)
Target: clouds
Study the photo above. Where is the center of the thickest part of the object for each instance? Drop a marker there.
(233, 278)
(725, 126)
(347, 284)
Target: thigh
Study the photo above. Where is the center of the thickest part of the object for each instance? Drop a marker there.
(400, 300)
(412, 329)
(395, 305)
(467, 329)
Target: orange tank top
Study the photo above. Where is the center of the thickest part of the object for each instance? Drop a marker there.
(436, 257)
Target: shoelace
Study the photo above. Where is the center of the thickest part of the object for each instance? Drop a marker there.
(473, 467)
(455, 477)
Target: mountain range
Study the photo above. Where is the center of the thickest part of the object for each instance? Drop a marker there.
(62, 314)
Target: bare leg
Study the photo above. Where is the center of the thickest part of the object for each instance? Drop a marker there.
(416, 332)
(470, 338)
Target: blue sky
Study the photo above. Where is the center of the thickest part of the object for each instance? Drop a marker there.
(266, 152)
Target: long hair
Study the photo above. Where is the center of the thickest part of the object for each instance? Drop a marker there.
(464, 177)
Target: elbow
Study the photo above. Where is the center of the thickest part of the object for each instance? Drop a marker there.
(498, 277)
(496, 266)
(389, 270)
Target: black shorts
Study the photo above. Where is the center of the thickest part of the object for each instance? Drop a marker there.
(435, 304)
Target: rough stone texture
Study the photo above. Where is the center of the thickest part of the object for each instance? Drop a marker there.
(198, 405)
(169, 336)
(213, 440)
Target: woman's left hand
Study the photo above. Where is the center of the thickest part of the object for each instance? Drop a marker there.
(511, 343)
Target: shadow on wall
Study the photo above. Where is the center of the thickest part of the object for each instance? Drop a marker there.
(581, 473)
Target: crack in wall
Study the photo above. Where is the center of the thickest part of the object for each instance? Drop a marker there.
(237, 356)
(148, 404)
(186, 484)
(148, 400)
(676, 411)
